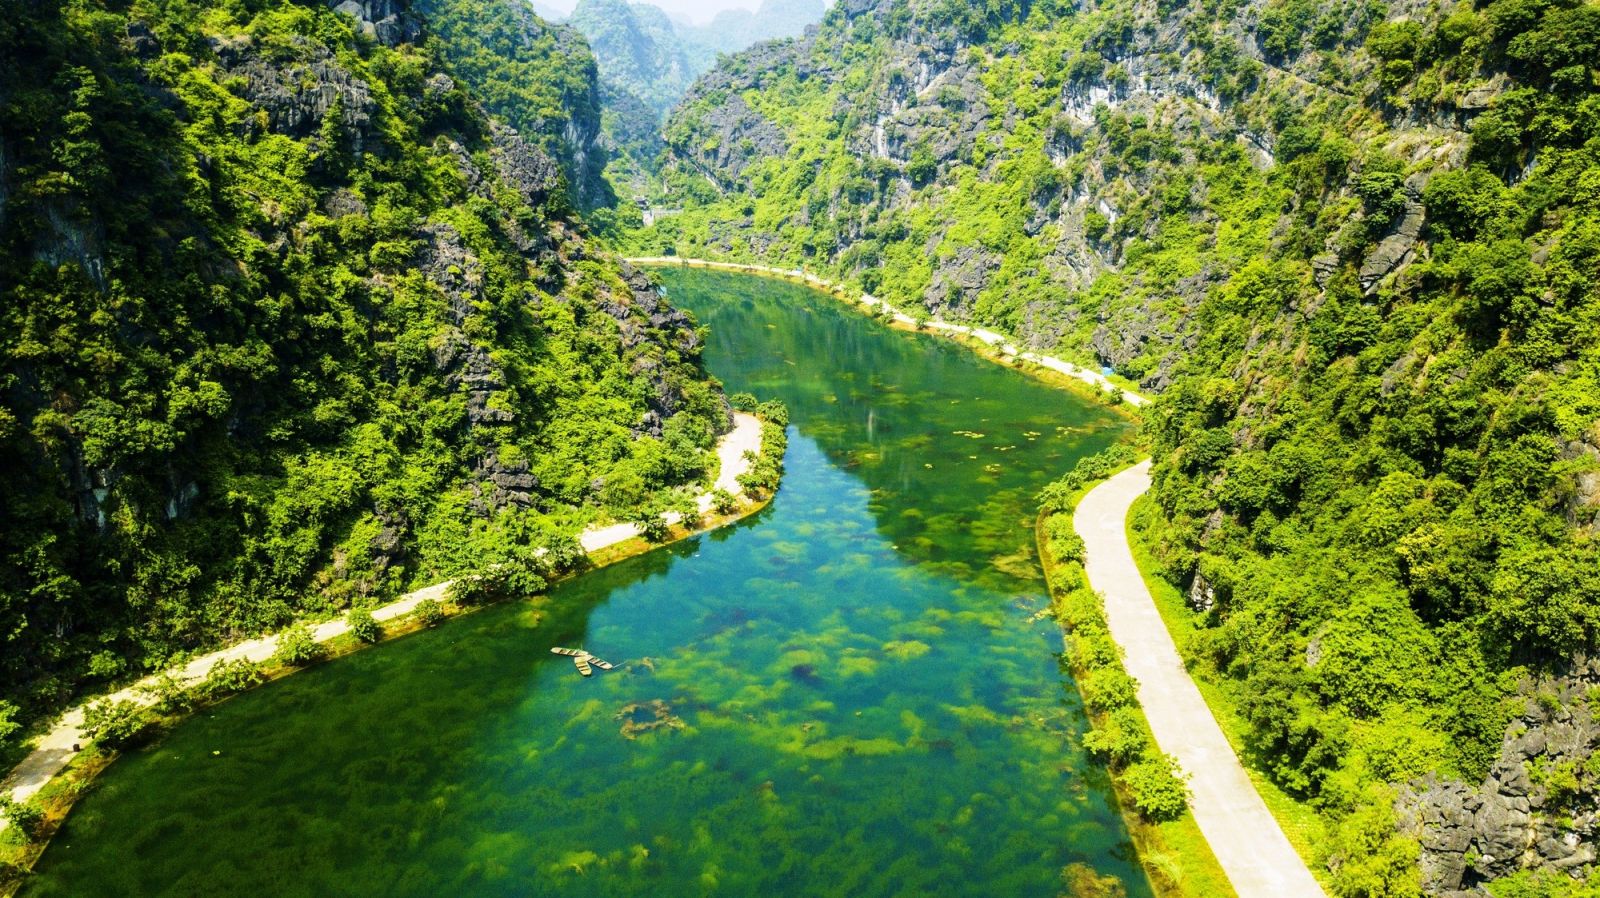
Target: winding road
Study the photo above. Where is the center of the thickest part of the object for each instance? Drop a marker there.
(1243, 834)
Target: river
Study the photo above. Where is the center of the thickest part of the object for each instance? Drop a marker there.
(845, 694)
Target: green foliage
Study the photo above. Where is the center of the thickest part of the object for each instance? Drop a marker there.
(1544, 884)
(263, 366)
(1369, 858)
(766, 469)
(9, 725)
(363, 626)
(512, 572)
(1065, 544)
(1108, 689)
(231, 677)
(724, 502)
(297, 647)
(531, 75)
(1121, 740)
(26, 816)
(652, 524)
(115, 725)
(428, 612)
(1157, 787)
(1061, 495)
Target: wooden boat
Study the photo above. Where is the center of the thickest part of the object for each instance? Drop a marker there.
(585, 662)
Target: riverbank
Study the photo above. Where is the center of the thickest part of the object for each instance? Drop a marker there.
(1243, 834)
(1003, 347)
(62, 744)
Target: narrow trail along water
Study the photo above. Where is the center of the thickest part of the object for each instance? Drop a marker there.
(846, 694)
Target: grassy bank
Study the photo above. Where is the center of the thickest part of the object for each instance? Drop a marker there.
(1175, 854)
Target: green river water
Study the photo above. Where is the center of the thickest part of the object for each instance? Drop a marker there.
(862, 703)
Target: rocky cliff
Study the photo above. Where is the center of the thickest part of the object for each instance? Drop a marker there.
(1537, 809)
(1155, 119)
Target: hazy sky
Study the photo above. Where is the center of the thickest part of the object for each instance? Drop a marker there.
(698, 10)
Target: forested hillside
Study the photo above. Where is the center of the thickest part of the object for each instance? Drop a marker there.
(537, 77)
(1354, 247)
(292, 325)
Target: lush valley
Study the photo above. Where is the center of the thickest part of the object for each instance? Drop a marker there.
(292, 325)
(1353, 249)
(304, 308)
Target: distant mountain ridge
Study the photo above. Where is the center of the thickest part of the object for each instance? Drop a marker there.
(655, 56)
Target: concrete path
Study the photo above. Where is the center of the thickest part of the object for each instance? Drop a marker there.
(999, 341)
(1243, 834)
(56, 748)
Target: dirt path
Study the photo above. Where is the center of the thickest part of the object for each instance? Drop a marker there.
(1243, 834)
(999, 341)
(57, 747)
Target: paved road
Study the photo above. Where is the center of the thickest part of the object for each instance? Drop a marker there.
(58, 746)
(1243, 834)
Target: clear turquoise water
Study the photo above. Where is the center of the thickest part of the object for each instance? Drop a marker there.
(865, 707)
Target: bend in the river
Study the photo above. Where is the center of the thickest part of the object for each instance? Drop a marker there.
(848, 693)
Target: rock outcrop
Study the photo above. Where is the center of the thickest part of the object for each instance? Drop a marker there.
(1539, 806)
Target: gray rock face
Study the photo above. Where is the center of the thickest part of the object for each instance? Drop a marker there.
(386, 21)
(300, 96)
(1396, 250)
(925, 97)
(743, 136)
(1537, 808)
(73, 237)
(646, 321)
(958, 282)
(141, 40)
(498, 484)
(1583, 499)
(534, 175)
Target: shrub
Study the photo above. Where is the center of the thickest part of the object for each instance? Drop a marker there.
(364, 626)
(1120, 740)
(169, 697)
(1065, 544)
(296, 647)
(8, 722)
(773, 412)
(115, 725)
(724, 502)
(1061, 495)
(743, 402)
(1157, 788)
(652, 526)
(563, 553)
(1108, 689)
(25, 816)
(429, 612)
(230, 677)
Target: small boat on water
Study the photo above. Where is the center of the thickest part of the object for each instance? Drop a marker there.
(584, 661)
